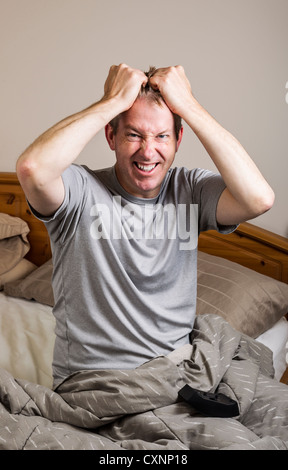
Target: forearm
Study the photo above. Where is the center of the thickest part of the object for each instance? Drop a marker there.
(242, 178)
(56, 149)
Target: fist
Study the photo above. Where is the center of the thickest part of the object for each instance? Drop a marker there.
(174, 87)
(123, 85)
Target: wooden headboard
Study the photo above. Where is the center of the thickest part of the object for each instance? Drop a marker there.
(13, 202)
(251, 246)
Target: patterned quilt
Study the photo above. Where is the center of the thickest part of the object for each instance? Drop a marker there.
(140, 409)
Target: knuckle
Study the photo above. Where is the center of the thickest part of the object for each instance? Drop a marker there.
(178, 69)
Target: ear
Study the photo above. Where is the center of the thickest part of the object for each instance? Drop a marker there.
(110, 136)
(179, 138)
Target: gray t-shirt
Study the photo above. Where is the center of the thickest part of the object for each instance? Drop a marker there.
(125, 268)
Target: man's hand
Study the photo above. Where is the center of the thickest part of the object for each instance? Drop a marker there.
(174, 87)
(123, 85)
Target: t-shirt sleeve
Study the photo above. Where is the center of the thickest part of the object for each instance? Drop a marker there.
(207, 188)
(62, 224)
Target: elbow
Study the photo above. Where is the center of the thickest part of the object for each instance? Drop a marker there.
(268, 201)
(25, 168)
(28, 174)
(265, 202)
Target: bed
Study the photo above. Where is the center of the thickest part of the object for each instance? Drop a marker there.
(242, 278)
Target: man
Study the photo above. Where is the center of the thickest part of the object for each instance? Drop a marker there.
(125, 287)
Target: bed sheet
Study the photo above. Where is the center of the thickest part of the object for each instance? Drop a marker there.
(140, 409)
(27, 340)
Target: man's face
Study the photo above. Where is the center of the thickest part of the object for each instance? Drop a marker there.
(145, 145)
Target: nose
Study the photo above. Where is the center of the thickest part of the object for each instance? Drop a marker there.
(148, 148)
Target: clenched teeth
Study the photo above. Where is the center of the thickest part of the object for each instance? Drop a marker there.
(145, 167)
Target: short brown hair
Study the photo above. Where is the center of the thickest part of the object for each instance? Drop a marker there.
(156, 97)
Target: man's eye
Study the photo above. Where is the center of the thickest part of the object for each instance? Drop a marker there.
(162, 136)
(133, 136)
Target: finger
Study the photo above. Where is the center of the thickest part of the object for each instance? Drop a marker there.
(145, 81)
(159, 77)
(154, 81)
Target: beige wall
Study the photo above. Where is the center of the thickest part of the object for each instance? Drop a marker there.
(55, 55)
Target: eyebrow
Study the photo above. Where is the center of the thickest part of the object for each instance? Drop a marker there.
(131, 128)
(134, 129)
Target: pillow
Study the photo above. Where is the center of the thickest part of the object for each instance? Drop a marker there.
(22, 269)
(11, 226)
(251, 302)
(13, 241)
(36, 286)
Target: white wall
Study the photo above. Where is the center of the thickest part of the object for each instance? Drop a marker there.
(55, 55)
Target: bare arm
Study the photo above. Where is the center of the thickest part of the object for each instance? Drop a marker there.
(40, 167)
(247, 194)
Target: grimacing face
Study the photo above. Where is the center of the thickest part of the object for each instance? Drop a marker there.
(145, 145)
